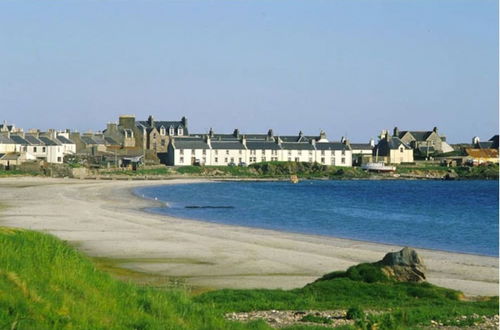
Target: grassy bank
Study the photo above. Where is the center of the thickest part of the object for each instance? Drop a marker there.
(46, 284)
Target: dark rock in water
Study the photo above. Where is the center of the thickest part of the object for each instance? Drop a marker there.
(403, 266)
(208, 207)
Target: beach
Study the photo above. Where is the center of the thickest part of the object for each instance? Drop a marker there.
(103, 218)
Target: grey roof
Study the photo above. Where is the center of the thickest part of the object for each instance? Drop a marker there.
(5, 140)
(110, 141)
(64, 140)
(48, 142)
(224, 137)
(331, 146)
(94, 139)
(190, 143)
(297, 146)
(165, 124)
(19, 140)
(418, 135)
(360, 146)
(259, 137)
(227, 145)
(296, 138)
(33, 140)
(485, 145)
(395, 142)
(256, 144)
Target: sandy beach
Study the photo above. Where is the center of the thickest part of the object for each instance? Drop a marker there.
(104, 219)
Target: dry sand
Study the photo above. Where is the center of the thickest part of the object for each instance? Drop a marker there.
(104, 219)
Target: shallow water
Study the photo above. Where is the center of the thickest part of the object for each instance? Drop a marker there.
(459, 216)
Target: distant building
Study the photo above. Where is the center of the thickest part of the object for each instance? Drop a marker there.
(236, 148)
(492, 143)
(361, 152)
(425, 142)
(392, 150)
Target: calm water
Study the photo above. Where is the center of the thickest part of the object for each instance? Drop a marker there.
(457, 216)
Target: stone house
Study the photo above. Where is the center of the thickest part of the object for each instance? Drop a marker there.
(392, 150)
(426, 142)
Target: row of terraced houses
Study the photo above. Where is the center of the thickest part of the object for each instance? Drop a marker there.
(172, 143)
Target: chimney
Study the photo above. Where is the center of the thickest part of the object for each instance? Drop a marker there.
(236, 133)
(475, 140)
(372, 143)
(151, 121)
(211, 132)
(244, 140)
(396, 132)
(435, 130)
(184, 122)
(322, 135)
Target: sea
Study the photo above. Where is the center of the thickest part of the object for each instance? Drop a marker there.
(456, 216)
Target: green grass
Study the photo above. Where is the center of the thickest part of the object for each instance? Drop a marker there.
(141, 172)
(366, 287)
(4, 173)
(46, 284)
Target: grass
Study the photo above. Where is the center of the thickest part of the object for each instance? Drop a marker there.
(46, 284)
(366, 287)
(4, 173)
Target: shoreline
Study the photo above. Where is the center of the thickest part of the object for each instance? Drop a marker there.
(106, 219)
(149, 210)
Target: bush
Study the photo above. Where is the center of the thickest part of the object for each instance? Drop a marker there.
(355, 313)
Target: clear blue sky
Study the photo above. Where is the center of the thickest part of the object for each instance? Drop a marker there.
(348, 67)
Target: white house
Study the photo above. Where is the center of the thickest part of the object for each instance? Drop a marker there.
(225, 149)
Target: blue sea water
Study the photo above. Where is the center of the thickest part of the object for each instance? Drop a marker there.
(460, 216)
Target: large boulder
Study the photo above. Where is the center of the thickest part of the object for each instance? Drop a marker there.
(403, 266)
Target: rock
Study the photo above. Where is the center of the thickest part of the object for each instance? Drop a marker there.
(403, 266)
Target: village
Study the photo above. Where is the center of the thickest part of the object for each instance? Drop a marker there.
(131, 143)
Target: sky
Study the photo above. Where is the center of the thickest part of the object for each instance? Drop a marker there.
(351, 68)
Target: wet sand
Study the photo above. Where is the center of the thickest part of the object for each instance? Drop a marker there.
(104, 219)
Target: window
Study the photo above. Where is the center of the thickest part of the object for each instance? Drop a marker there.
(193, 151)
(310, 153)
(232, 160)
(322, 154)
(43, 149)
(264, 159)
(171, 131)
(289, 159)
(310, 160)
(181, 160)
(162, 143)
(225, 160)
(297, 159)
(204, 152)
(333, 160)
(154, 135)
(289, 152)
(216, 152)
(401, 149)
(343, 152)
(216, 159)
(342, 160)
(180, 131)
(322, 160)
(162, 131)
(181, 151)
(34, 149)
(240, 152)
(58, 159)
(227, 152)
(240, 159)
(299, 152)
(204, 160)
